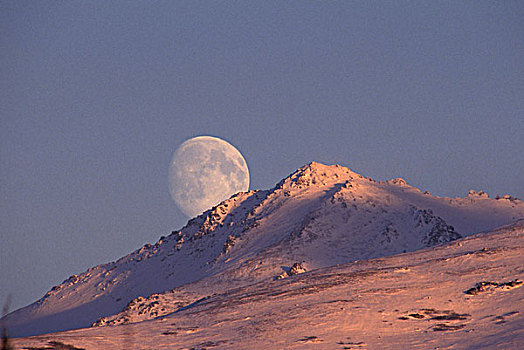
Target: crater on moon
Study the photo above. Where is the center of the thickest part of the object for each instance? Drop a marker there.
(204, 171)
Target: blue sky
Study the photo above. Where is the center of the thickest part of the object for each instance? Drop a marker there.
(96, 96)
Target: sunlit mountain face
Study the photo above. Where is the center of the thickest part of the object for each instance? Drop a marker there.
(326, 256)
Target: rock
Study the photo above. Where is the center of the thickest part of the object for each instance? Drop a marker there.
(296, 269)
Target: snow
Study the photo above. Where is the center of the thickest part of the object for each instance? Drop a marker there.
(416, 300)
(319, 216)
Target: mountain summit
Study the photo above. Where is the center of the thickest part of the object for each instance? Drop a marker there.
(318, 216)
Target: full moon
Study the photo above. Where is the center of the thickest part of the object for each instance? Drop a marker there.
(203, 172)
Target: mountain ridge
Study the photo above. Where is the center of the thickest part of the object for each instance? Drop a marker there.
(319, 215)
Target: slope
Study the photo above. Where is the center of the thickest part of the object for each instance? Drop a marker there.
(466, 294)
(318, 216)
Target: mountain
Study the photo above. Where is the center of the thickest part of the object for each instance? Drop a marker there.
(466, 294)
(317, 217)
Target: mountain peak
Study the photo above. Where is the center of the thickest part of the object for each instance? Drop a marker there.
(320, 215)
(317, 167)
(318, 174)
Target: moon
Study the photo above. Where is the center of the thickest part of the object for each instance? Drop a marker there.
(203, 172)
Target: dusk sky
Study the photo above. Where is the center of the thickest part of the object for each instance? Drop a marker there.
(97, 95)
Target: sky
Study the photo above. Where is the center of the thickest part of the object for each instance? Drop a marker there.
(97, 95)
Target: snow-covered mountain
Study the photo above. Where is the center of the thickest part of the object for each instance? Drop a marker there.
(317, 217)
(466, 294)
